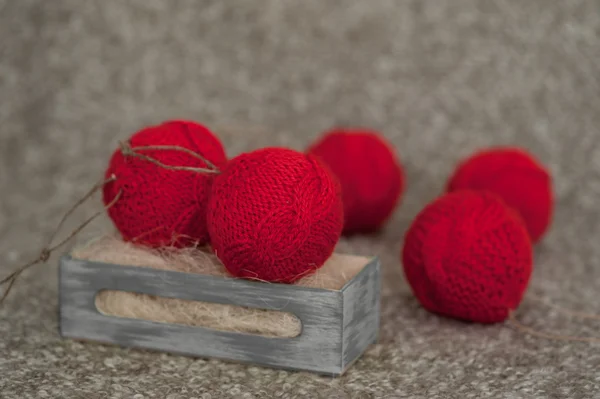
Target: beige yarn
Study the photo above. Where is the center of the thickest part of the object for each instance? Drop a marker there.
(338, 270)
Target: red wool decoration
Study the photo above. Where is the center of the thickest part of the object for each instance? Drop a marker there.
(369, 172)
(160, 207)
(275, 215)
(517, 177)
(468, 256)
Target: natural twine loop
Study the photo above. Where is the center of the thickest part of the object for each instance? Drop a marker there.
(127, 151)
(48, 249)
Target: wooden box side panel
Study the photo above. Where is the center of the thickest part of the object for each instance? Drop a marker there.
(317, 348)
(361, 312)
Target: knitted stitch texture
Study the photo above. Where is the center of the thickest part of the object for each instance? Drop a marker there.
(517, 177)
(467, 255)
(369, 172)
(160, 207)
(275, 215)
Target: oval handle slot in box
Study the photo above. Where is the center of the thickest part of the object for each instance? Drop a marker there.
(216, 316)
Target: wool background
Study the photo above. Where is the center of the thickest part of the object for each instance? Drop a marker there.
(440, 78)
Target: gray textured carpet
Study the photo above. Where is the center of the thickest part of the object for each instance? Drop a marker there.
(440, 78)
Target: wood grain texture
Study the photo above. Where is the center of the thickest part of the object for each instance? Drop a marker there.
(361, 312)
(319, 348)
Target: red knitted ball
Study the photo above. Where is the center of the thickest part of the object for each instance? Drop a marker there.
(160, 207)
(370, 174)
(275, 215)
(517, 177)
(467, 255)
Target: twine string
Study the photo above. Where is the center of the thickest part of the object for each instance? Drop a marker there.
(127, 150)
(91, 192)
(512, 318)
(563, 310)
(556, 337)
(48, 249)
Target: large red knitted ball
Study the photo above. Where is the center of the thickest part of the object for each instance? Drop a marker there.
(370, 174)
(160, 207)
(275, 214)
(468, 256)
(517, 177)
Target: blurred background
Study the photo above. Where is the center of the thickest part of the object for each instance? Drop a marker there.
(439, 79)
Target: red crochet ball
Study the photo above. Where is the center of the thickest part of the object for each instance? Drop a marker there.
(467, 255)
(275, 215)
(160, 207)
(370, 174)
(513, 174)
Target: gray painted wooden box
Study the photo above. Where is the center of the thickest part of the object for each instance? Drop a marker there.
(337, 325)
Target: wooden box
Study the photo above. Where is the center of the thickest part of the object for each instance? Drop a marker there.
(336, 325)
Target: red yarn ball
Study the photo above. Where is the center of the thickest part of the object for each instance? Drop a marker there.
(160, 207)
(370, 174)
(275, 215)
(517, 177)
(468, 256)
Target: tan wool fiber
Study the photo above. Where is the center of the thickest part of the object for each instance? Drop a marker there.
(336, 272)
